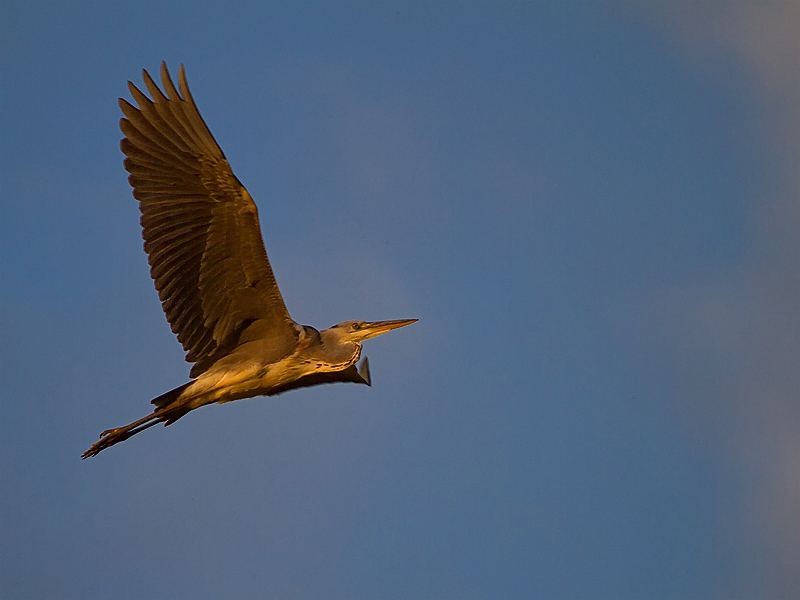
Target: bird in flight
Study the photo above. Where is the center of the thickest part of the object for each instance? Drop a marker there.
(207, 259)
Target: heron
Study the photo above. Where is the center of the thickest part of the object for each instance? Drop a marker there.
(208, 261)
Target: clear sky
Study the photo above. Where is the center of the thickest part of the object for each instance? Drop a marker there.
(593, 211)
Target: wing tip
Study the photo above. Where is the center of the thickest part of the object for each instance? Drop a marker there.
(363, 371)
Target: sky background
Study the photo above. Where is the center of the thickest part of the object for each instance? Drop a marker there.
(592, 208)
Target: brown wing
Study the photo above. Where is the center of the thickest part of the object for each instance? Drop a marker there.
(200, 228)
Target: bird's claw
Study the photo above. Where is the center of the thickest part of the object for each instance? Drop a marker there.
(109, 432)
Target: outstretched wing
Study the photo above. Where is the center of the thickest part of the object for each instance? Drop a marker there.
(200, 228)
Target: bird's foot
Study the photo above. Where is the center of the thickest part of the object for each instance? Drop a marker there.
(110, 431)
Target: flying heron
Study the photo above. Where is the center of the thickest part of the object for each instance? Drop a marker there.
(207, 259)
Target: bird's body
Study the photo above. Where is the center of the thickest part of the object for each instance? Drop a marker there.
(211, 270)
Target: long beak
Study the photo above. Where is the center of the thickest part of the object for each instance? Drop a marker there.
(378, 327)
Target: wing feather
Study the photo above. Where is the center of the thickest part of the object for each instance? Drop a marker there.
(200, 228)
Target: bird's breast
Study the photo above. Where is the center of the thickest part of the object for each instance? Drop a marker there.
(235, 378)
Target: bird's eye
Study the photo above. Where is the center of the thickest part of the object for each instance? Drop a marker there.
(356, 326)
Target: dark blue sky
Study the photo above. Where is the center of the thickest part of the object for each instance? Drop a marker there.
(591, 209)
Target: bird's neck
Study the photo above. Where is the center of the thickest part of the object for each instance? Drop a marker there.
(336, 351)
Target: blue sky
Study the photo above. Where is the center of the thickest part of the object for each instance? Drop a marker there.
(592, 209)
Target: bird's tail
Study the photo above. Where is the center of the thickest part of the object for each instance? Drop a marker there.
(163, 413)
(170, 397)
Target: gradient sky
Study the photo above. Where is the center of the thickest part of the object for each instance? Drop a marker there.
(593, 211)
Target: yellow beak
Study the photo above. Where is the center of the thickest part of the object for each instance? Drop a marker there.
(378, 327)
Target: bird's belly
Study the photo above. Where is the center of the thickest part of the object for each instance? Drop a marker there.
(226, 383)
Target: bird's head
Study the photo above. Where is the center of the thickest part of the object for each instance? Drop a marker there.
(358, 331)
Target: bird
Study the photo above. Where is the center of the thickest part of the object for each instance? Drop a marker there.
(210, 268)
